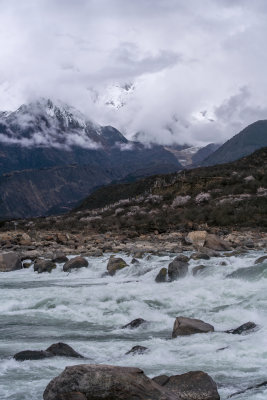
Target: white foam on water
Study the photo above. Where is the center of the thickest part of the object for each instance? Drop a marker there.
(87, 310)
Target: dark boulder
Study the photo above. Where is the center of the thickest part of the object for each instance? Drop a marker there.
(188, 326)
(135, 261)
(106, 382)
(200, 256)
(10, 262)
(178, 268)
(246, 328)
(44, 266)
(162, 275)
(115, 264)
(195, 385)
(134, 324)
(137, 350)
(63, 350)
(76, 262)
(32, 355)
(60, 258)
(255, 387)
(57, 349)
(72, 396)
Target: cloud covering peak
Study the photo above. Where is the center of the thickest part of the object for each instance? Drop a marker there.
(197, 68)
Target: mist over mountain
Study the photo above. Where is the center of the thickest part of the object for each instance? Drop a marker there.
(52, 156)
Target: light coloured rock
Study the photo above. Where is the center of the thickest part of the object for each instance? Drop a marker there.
(196, 238)
(10, 262)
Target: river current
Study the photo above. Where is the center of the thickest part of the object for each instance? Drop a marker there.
(86, 310)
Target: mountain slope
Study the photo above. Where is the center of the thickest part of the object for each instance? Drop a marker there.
(253, 137)
(51, 157)
(233, 194)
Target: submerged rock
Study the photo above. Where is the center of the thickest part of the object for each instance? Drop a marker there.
(41, 266)
(188, 326)
(248, 272)
(246, 328)
(137, 350)
(10, 262)
(106, 382)
(115, 264)
(178, 268)
(261, 260)
(134, 324)
(57, 349)
(195, 385)
(76, 262)
(200, 256)
(198, 269)
(162, 275)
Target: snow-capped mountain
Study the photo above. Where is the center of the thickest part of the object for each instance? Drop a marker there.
(51, 156)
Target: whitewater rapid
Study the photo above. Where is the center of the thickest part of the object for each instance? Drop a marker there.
(86, 310)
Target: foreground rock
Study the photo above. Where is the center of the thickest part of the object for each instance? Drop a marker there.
(105, 382)
(115, 264)
(57, 349)
(137, 350)
(76, 262)
(246, 328)
(188, 326)
(178, 268)
(10, 262)
(134, 324)
(41, 266)
(195, 385)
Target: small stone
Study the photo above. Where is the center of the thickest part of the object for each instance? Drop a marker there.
(188, 326)
(134, 324)
(137, 350)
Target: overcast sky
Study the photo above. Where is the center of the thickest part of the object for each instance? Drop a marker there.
(198, 67)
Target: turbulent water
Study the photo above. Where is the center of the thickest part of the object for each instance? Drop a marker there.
(86, 311)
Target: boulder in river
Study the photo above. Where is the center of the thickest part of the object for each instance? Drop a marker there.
(137, 350)
(56, 349)
(178, 268)
(76, 262)
(106, 382)
(134, 324)
(162, 275)
(10, 262)
(188, 326)
(60, 258)
(198, 269)
(115, 264)
(195, 385)
(200, 256)
(44, 266)
(32, 355)
(246, 328)
(63, 350)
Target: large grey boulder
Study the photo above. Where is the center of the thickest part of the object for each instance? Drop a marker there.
(105, 382)
(115, 264)
(178, 268)
(44, 266)
(194, 385)
(188, 326)
(76, 262)
(10, 262)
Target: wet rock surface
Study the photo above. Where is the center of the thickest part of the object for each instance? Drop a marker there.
(56, 349)
(41, 266)
(10, 262)
(188, 326)
(134, 324)
(137, 350)
(178, 268)
(244, 329)
(115, 264)
(106, 382)
(162, 275)
(76, 262)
